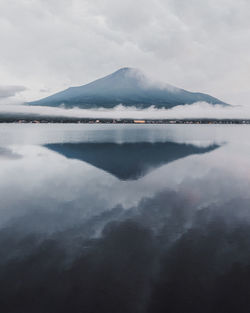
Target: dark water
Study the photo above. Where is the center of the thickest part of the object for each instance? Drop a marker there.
(102, 218)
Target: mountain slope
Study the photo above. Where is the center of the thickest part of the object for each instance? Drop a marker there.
(126, 86)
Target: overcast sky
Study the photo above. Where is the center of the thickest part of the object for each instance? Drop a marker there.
(49, 45)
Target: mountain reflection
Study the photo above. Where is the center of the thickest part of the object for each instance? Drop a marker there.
(128, 161)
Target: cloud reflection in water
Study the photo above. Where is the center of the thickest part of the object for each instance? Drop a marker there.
(78, 239)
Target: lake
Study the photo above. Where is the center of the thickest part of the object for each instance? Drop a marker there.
(124, 218)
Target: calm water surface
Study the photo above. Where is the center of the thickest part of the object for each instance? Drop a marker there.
(124, 218)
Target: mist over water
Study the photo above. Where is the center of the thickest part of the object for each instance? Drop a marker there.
(124, 218)
(198, 110)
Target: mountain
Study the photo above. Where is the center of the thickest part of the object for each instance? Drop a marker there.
(126, 86)
(128, 161)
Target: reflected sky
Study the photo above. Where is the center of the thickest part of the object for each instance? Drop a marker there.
(90, 169)
(152, 213)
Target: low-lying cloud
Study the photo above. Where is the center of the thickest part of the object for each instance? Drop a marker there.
(10, 91)
(194, 111)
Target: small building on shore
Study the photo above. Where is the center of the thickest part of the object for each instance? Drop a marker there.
(139, 121)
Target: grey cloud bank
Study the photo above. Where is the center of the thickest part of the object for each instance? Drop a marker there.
(10, 91)
(50, 45)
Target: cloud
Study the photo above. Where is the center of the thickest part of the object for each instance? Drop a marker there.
(6, 153)
(10, 91)
(196, 110)
(201, 47)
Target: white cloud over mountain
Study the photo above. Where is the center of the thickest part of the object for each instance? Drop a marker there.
(196, 110)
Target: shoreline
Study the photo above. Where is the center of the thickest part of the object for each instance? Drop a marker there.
(59, 120)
